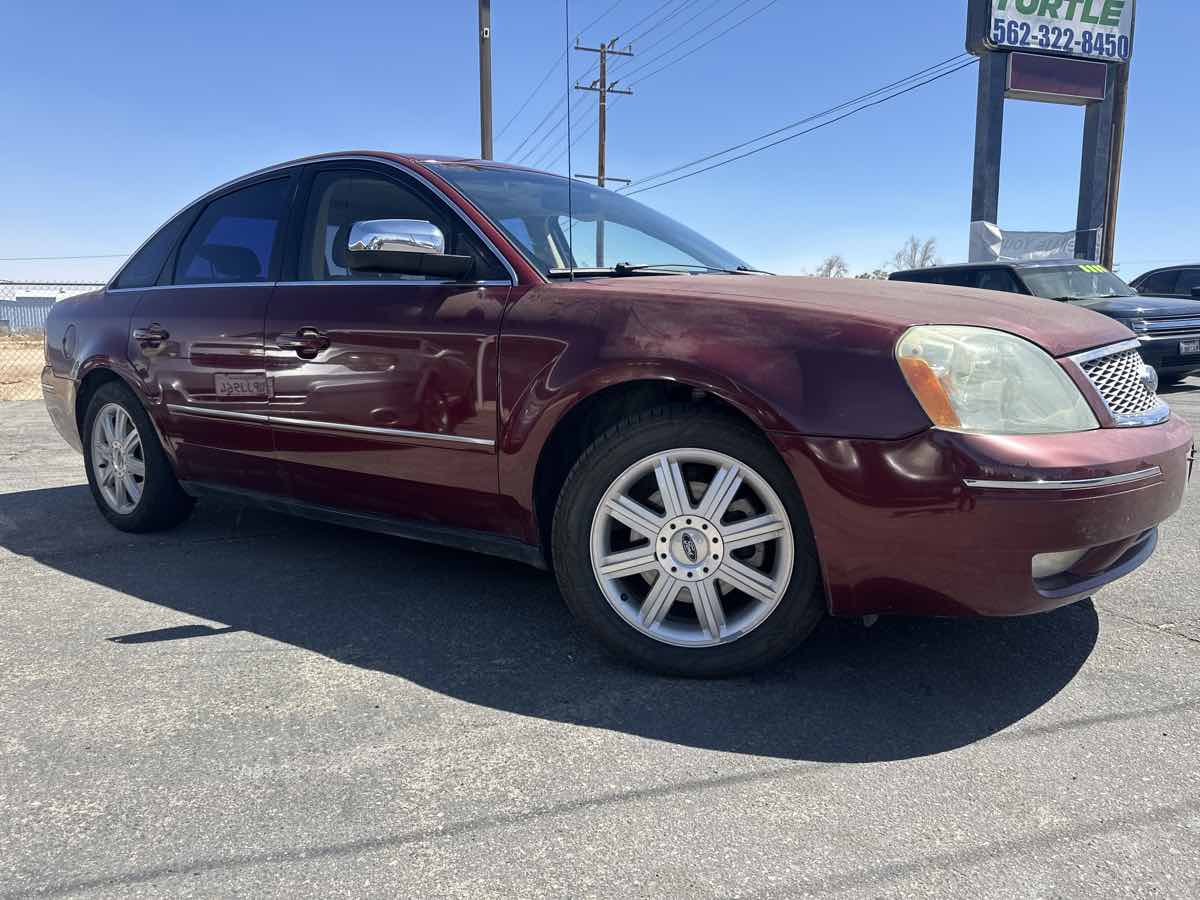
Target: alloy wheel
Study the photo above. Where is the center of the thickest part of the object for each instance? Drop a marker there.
(692, 547)
(118, 459)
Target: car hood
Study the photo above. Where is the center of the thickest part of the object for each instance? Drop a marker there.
(894, 306)
(1143, 306)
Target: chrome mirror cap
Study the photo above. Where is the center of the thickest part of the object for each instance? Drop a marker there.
(396, 236)
(403, 247)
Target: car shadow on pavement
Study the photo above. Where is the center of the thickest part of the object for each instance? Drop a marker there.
(497, 634)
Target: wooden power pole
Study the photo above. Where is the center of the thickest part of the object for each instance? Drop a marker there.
(603, 88)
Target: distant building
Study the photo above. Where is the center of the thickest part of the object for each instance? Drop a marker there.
(24, 305)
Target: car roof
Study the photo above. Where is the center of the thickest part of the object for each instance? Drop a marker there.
(1003, 264)
(1170, 269)
(411, 159)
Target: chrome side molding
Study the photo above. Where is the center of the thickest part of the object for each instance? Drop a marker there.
(1079, 484)
(263, 418)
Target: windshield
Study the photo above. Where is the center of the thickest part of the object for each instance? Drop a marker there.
(598, 229)
(1077, 282)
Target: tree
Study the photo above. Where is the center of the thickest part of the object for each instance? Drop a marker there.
(877, 275)
(916, 254)
(833, 267)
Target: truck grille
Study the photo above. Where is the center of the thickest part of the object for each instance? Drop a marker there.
(1118, 378)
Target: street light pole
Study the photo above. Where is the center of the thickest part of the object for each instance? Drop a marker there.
(485, 79)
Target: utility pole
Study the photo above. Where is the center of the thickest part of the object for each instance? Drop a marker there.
(485, 78)
(602, 88)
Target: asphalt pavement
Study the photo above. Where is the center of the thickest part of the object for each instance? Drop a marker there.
(253, 705)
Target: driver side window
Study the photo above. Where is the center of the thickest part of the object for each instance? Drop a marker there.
(339, 199)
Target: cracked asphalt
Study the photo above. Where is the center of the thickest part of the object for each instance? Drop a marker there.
(257, 706)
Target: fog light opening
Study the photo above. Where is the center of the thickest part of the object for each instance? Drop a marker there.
(1047, 565)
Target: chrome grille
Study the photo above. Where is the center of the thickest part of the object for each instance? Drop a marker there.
(1118, 377)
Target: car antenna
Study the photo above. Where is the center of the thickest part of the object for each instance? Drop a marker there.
(570, 180)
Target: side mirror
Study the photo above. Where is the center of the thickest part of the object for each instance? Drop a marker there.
(403, 246)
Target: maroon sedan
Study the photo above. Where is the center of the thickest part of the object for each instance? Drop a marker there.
(708, 457)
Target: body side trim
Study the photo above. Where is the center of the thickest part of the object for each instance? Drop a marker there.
(1079, 484)
(331, 426)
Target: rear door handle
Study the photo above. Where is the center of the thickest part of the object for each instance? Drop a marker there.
(151, 334)
(307, 342)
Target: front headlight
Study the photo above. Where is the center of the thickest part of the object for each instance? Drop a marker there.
(981, 380)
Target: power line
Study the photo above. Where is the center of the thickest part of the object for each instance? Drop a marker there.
(812, 118)
(53, 258)
(792, 137)
(530, 156)
(627, 74)
(640, 22)
(711, 40)
(541, 151)
(663, 21)
(555, 108)
(553, 68)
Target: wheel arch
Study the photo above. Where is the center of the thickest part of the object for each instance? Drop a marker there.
(93, 376)
(608, 402)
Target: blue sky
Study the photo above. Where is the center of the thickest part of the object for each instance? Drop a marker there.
(116, 115)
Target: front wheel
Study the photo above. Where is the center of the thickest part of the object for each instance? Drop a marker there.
(681, 540)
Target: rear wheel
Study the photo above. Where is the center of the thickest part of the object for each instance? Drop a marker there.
(127, 470)
(681, 541)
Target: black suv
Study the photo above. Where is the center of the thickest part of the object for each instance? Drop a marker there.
(1174, 281)
(1168, 327)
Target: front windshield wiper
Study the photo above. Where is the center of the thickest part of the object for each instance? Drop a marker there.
(626, 269)
(1091, 299)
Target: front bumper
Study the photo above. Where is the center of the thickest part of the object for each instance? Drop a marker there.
(949, 524)
(1162, 352)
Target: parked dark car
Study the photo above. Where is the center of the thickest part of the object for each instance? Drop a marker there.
(708, 458)
(1174, 281)
(1167, 328)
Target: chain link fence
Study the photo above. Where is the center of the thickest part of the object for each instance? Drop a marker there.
(24, 306)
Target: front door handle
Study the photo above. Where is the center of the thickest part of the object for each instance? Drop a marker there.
(151, 334)
(307, 342)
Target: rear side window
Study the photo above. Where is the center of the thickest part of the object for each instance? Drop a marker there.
(1160, 283)
(941, 276)
(236, 237)
(146, 265)
(919, 277)
(996, 280)
(1189, 280)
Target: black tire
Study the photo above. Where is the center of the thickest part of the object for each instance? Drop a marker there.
(1171, 380)
(163, 503)
(659, 430)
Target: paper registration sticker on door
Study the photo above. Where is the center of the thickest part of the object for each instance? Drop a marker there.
(251, 385)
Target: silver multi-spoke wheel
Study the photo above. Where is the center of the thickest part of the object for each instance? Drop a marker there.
(692, 547)
(118, 459)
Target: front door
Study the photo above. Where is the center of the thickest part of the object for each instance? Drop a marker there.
(384, 386)
(196, 339)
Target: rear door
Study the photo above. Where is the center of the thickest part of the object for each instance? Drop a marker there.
(384, 385)
(196, 338)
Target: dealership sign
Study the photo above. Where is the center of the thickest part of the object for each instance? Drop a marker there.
(1093, 29)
